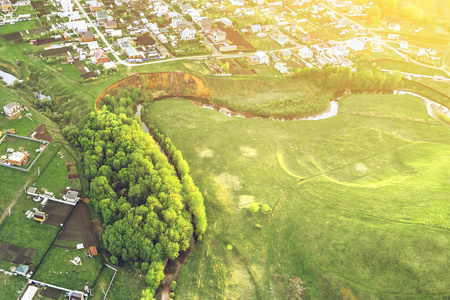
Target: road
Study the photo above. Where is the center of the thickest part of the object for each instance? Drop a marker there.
(382, 42)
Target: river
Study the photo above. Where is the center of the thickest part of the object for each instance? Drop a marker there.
(8, 78)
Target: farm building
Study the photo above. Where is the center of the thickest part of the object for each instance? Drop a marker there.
(40, 216)
(71, 196)
(22, 270)
(6, 5)
(76, 295)
(11, 108)
(30, 293)
(18, 158)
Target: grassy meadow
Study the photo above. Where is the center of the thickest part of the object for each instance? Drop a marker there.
(359, 206)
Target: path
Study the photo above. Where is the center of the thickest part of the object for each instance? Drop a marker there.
(11, 205)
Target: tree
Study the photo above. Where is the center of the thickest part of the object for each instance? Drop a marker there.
(265, 208)
(254, 207)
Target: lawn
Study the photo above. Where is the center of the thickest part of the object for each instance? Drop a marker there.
(263, 44)
(102, 284)
(11, 285)
(128, 284)
(55, 178)
(58, 270)
(15, 143)
(359, 202)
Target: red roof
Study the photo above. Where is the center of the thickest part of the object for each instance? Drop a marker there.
(93, 250)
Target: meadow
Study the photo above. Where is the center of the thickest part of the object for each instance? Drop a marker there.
(358, 202)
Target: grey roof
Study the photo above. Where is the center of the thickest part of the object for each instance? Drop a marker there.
(32, 190)
(11, 105)
(72, 195)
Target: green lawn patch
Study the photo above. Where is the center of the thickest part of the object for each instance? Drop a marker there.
(16, 143)
(11, 286)
(359, 201)
(55, 178)
(58, 270)
(128, 284)
(102, 284)
(409, 68)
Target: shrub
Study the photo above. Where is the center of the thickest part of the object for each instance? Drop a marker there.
(229, 247)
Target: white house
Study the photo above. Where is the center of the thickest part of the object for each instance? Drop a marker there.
(281, 67)
(256, 28)
(116, 33)
(67, 6)
(403, 42)
(188, 34)
(394, 26)
(11, 108)
(305, 53)
(227, 22)
(356, 44)
(237, 2)
(263, 57)
(162, 38)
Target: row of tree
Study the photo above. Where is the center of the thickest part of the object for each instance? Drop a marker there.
(337, 77)
(191, 192)
(143, 202)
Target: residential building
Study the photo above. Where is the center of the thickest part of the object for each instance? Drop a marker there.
(12, 108)
(219, 35)
(205, 24)
(281, 67)
(101, 15)
(256, 28)
(88, 36)
(6, 5)
(403, 40)
(18, 158)
(305, 53)
(357, 44)
(188, 34)
(394, 26)
(99, 57)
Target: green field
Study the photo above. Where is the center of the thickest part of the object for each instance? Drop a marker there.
(409, 68)
(359, 202)
(58, 270)
(128, 284)
(11, 285)
(102, 284)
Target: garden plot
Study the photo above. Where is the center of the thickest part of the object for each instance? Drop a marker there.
(20, 152)
(57, 212)
(16, 254)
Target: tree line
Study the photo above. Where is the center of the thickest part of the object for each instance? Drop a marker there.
(338, 77)
(145, 207)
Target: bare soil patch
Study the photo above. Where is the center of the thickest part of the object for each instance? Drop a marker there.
(237, 39)
(14, 37)
(57, 212)
(55, 52)
(49, 41)
(50, 293)
(89, 75)
(79, 228)
(145, 40)
(16, 254)
(80, 67)
(42, 133)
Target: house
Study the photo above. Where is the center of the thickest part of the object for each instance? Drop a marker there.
(71, 196)
(66, 5)
(110, 24)
(305, 53)
(12, 108)
(357, 44)
(282, 39)
(66, 36)
(356, 9)
(40, 216)
(76, 295)
(22, 270)
(422, 52)
(131, 53)
(403, 40)
(185, 8)
(286, 54)
(88, 36)
(307, 38)
(394, 26)
(320, 48)
(115, 33)
(188, 34)
(256, 28)
(281, 67)
(95, 6)
(178, 24)
(263, 57)
(219, 35)
(237, 2)
(171, 14)
(162, 38)
(92, 251)
(6, 5)
(23, 3)
(205, 24)
(227, 22)
(99, 57)
(101, 15)
(18, 158)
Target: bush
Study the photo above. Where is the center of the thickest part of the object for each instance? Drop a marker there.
(266, 208)
(254, 207)
(173, 286)
(229, 247)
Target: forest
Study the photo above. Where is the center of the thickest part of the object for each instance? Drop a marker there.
(147, 205)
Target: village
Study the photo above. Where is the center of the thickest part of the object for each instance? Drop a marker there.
(271, 38)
